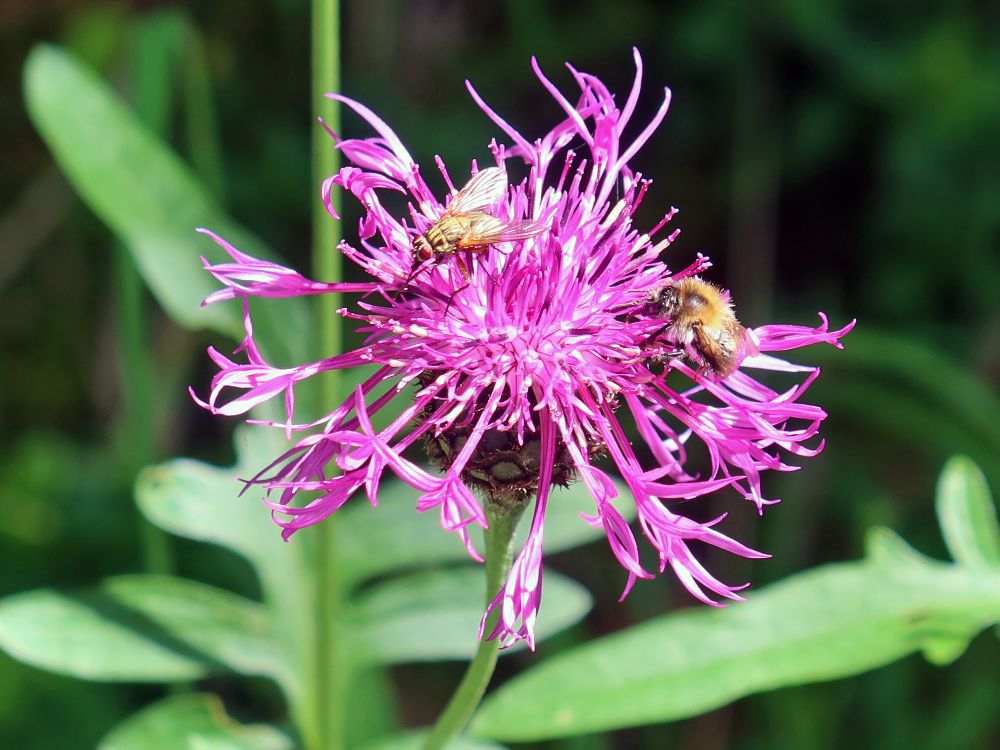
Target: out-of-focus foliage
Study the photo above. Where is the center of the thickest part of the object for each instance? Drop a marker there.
(833, 621)
(826, 154)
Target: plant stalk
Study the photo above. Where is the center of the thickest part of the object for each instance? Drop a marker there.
(150, 87)
(499, 557)
(136, 439)
(327, 674)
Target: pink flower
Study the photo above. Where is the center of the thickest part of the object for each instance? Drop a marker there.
(519, 358)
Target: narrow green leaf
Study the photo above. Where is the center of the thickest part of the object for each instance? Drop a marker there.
(199, 111)
(967, 515)
(828, 623)
(931, 378)
(435, 615)
(147, 196)
(191, 722)
(133, 182)
(158, 39)
(405, 538)
(415, 741)
(140, 629)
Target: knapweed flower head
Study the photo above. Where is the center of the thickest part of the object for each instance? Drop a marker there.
(519, 361)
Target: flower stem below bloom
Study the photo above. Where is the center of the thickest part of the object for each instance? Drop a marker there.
(326, 725)
(499, 556)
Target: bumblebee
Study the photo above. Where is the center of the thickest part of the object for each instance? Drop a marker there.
(702, 322)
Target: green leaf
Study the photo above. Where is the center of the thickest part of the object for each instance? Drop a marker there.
(148, 197)
(943, 650)
(887, 548)
(564, 528)
(834, 621)
(405, 538)
(415, 741)
(435, 615)
(393, 536)
(140, 629)
(191, 722)
(370, 711)
(198, 501)
(967, 515)
(202, 502)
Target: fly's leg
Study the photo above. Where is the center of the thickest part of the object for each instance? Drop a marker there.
(454, 294)
(463, 265)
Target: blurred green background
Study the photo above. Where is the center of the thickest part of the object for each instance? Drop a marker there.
(835, 156)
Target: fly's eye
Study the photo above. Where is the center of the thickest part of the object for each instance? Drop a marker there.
(423, 248)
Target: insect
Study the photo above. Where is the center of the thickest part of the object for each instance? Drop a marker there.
(467, 227)
(702, 322)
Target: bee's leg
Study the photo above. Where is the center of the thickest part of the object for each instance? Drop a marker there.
(659, 332)
(665, 355)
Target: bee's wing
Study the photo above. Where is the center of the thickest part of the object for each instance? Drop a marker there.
(480, 193)
(487, 230)
(727, 351)
(745, 345)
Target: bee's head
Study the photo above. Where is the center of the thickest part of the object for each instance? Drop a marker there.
(684, 296)
(670, 301)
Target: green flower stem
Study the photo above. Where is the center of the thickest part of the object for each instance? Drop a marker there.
(136, 438)
(150, 91)
(326, 260)
(199, 112)
(324, 718)
(499, 557)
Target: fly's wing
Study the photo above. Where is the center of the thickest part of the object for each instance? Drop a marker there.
(488, 230)
(522, 230)
(480, 193)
